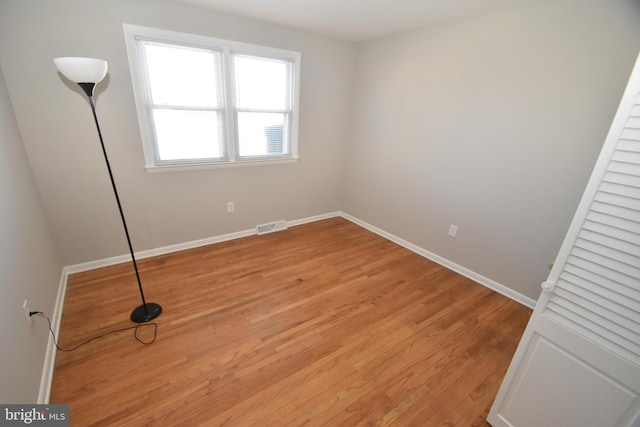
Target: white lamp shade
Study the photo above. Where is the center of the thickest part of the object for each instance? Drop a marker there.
(82, 70)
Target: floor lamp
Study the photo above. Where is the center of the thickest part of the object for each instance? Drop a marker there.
(87, 72)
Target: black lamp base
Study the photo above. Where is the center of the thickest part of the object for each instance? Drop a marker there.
(140, 315)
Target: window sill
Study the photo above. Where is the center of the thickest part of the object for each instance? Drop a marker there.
(218, 165)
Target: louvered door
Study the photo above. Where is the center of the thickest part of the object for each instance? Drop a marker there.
(578, 363)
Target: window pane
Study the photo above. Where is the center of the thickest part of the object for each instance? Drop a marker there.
(185, 135)
(183, 76)
(262, 83)
(263, 134)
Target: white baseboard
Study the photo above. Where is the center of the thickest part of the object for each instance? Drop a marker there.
(86, 266)
(105, 262)
(50, 356)
(485, 281)
(314, 218)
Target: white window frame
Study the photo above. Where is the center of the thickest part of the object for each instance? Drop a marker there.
(135, 33)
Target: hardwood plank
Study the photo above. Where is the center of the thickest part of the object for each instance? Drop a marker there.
(321, 324)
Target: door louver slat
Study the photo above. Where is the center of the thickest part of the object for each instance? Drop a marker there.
(598, 290)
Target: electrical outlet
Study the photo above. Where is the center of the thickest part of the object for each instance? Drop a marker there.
(230, 207)
(25, 307)
(453, 230)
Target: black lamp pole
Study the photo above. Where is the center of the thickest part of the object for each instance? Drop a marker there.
(146, 311)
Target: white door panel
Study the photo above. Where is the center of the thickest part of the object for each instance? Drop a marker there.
(553, 386)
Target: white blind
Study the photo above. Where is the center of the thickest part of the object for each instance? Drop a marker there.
(598, 290)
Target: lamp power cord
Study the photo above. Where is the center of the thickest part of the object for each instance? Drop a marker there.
(134, 328)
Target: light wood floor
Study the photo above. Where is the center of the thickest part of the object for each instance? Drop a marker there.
(322, 324)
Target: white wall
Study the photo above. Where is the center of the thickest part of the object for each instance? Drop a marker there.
(30, 266)
(492, 123)
(169, 208)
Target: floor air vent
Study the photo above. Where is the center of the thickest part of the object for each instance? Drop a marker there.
(271, 227)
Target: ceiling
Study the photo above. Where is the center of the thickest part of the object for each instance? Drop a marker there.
(357, 20)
